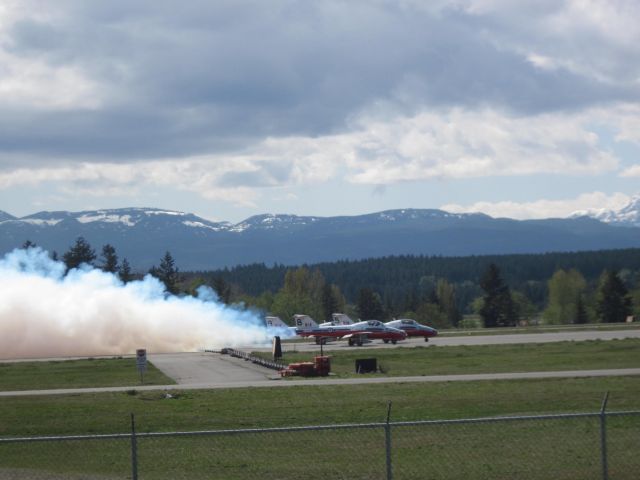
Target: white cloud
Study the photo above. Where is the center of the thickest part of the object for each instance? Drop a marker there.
(466, 144)
(591, 38)
(28, 83)
(544, 208)
(633, 171)
(626, 119)
(451, 144)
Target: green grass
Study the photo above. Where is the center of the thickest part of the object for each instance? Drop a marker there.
(304, 405)
(434, 360)
(102, 372)
(475, 450)
(567, 448)
(538, 329)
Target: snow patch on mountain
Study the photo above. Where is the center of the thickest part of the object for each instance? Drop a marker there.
(42, 221)
(164, 212)
(627, 216)
(270, 221)
(107, 218)
(196, 224)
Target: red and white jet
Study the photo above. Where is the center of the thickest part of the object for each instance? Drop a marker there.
(355, 333)
(413, 328)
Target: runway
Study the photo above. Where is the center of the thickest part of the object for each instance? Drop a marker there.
(277, 383)
(199, 370)
(579, 336)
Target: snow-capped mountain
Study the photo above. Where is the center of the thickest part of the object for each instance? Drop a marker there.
(123, 217)
(143, 235)
(5, 216)
(627, 216)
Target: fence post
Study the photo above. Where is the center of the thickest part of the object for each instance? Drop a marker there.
(134, 450)
(603, 436)
(387, 432)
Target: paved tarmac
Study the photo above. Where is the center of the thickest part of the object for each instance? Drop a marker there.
(209, 368)
(578, 336)
(201, 370)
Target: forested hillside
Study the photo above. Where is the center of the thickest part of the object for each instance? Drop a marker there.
(501, 290)
(395, 276)
(404, 283)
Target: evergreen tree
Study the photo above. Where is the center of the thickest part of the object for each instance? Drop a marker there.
(581, 311)
(125, 271)
(411, 302)
(167, 273)
(370, 305)
(497, 309)
(222, 289)
(613, 303)
(329, 301)
(635, 300)
(78, 254)
(109, 259)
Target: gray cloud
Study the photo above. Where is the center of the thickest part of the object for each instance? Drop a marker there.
(178, 79)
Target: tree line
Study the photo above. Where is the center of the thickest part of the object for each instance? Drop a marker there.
(82, 253)
(574, 287)
(579, 287)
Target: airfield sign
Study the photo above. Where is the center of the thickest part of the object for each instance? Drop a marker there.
(141, 362)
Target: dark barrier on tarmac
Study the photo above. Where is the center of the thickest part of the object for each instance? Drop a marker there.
(252, 358)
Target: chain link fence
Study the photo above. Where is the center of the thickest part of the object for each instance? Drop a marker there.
(598, 445)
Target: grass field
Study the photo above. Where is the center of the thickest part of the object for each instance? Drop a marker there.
(539, 329)
(434, 360)
(98, 372)
(305, 405)
(566, 448)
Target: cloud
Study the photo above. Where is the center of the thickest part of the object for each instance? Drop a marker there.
(467, 144)
(544, 208)
(124, 82)
(555, 34)
(633, 171)
(448, 144)
(230, 100)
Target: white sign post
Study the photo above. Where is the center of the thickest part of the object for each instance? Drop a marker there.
(141, 362)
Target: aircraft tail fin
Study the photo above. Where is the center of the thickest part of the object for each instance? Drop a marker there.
(275, 322)
(341, 319)
(304, 322)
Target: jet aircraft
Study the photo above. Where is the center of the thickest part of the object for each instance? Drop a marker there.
(355, 333)
(413, 328)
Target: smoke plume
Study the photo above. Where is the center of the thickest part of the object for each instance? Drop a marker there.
(44, 312)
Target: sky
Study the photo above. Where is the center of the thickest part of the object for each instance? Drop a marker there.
(228, 109)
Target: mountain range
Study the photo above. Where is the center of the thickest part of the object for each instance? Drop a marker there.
(143, 235)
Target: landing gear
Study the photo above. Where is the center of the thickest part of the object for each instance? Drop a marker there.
(386, 340)
(351, 342)
(426, 339)
(394, 341)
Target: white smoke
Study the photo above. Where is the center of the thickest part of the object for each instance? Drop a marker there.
(44, 312)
